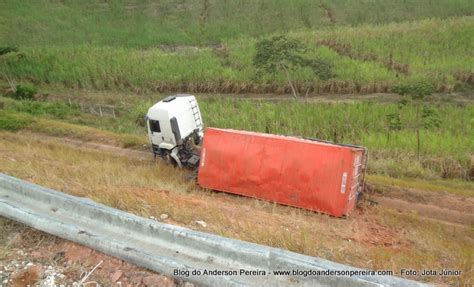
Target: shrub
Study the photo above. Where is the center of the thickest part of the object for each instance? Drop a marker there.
(426, 117)
(282, 54)
(23, 92)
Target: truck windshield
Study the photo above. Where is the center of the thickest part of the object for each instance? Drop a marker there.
(155, 126)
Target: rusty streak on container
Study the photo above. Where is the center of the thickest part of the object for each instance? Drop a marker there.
(304, 173)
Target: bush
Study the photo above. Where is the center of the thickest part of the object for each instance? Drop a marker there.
(281, 54)
(23, 92)
(13, 122)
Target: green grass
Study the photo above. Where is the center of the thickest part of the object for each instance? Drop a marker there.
(56, 110)
(145, 24)
(439, 50)
(62, 120)
(445, 151)
(375, 58)
(461, 188)
(13, 122)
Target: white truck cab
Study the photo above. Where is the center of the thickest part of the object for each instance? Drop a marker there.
(175, 129)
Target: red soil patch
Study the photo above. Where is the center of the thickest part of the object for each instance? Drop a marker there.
(74, 260)
(372, 232)
(27, 277)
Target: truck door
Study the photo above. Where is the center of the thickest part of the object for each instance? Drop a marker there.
(160, 134)
(155, 129)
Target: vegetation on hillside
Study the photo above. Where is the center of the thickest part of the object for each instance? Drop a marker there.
(148, 23)
(164, 46)
(303, 47)
(445, 151)
(283, 55)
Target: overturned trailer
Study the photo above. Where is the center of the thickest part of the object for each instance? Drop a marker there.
(305, 173)
(299, 172)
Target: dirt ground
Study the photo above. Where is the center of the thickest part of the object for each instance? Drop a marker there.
(86, 96)
(445, 207)
(29, 257)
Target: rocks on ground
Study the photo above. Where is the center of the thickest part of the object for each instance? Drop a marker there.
(59, 262)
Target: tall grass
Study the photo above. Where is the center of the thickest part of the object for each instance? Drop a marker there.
(438, 50)
(380, 12)
(446, 150)
(358, 123)
(373, 59)
(150, 23)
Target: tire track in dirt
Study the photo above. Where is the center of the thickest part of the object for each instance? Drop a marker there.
(138, 154)
(430, 211)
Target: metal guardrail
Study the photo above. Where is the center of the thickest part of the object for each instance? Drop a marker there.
(167, 248)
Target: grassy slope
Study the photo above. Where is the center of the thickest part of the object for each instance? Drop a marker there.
(376, 238)
(115, 46)
(446, 152)
(150, 23)
(438, 50)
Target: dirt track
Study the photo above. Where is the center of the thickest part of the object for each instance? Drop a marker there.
(349, 98)
(90, 97)
(427, 210)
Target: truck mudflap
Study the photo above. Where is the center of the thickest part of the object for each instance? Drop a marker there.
(309, 174)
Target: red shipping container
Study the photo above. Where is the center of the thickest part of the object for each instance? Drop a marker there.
(293, 171)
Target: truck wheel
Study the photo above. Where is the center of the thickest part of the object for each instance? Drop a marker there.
(172, 162)
(169, 159)
(166, 156)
